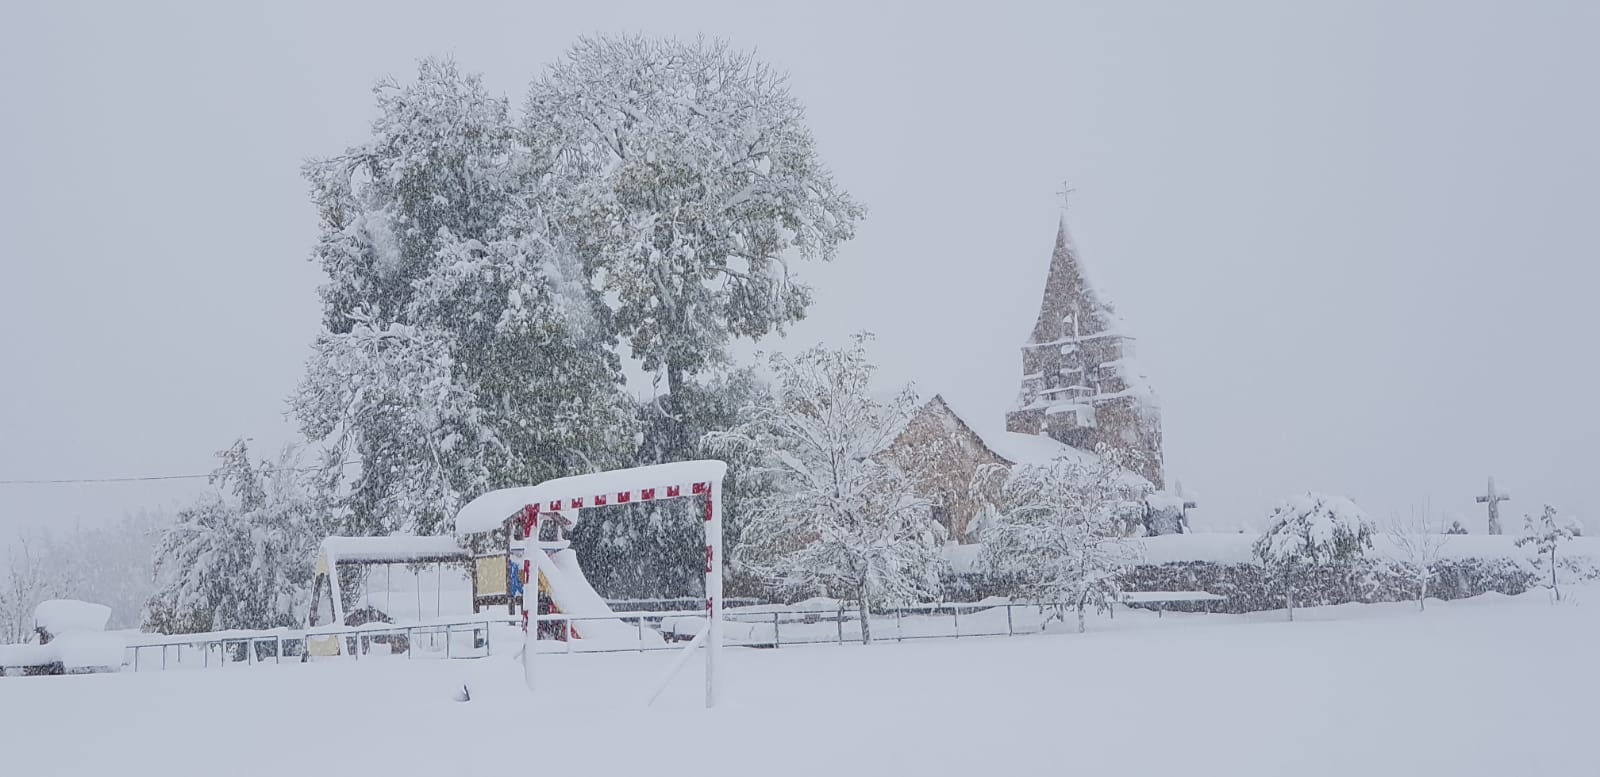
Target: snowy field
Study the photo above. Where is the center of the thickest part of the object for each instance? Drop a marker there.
(1490, 686)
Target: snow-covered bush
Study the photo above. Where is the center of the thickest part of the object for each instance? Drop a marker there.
(1061, 530)
(241, 560)
(843, 518)
(1312, 531)
(1546, 533)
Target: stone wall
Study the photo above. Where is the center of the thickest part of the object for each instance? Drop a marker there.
(953, 455)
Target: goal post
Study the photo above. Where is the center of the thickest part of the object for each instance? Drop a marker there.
(569, 495)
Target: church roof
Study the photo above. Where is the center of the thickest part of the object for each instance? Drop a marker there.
(1016, 447)
(1067, 289)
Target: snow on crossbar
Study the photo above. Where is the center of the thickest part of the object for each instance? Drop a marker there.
(597, 489)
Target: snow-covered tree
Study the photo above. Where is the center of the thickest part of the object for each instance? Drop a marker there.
(1061, 530)
(1546, 533)
(391, 395)
(241, 559)
(442, 167)
(686, 174)
(1418, 543)
(464, 347)
(843, 518)
(1309, 532)
(656, 549)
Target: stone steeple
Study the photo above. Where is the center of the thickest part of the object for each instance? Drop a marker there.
(1079, 384)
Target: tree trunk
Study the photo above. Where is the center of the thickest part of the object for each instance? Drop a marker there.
(677, 437)
(674, 379)
(1422, 596)
(861, 609)
(1080, 617)
(1553, 585)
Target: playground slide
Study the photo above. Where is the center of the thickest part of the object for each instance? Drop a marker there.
(571, 593)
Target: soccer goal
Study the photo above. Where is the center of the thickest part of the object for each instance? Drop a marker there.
(568, 496)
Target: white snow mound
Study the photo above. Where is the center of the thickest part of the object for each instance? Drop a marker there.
(61, 616)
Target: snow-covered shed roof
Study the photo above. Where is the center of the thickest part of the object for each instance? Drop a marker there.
(489, 511)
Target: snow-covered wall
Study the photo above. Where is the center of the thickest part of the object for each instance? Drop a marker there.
(1221, 548)
(1225, 564)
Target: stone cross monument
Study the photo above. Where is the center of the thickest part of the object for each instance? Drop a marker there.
(1493, 499)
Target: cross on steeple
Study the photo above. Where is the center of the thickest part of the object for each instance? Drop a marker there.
(1066, 196)
(1493, 499)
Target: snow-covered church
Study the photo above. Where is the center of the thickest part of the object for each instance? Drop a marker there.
(1080, 388)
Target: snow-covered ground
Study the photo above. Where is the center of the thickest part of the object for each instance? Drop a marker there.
(1488, 686)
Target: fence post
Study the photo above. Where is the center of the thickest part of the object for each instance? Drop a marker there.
(840, 623)
(163, 658)
(899, 628)
(1010, 630)
(640, 624)
(955, 612)
(776, 641)
(447, 641)
(135, 658)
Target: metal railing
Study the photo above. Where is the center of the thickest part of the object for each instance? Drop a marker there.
(756, 627)
(219, 649)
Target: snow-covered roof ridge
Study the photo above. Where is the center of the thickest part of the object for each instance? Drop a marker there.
(1025, 449)
(489, 511)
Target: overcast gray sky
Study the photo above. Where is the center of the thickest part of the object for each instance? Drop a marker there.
(1355, 240)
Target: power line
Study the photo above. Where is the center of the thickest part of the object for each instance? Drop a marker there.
(144, 478)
